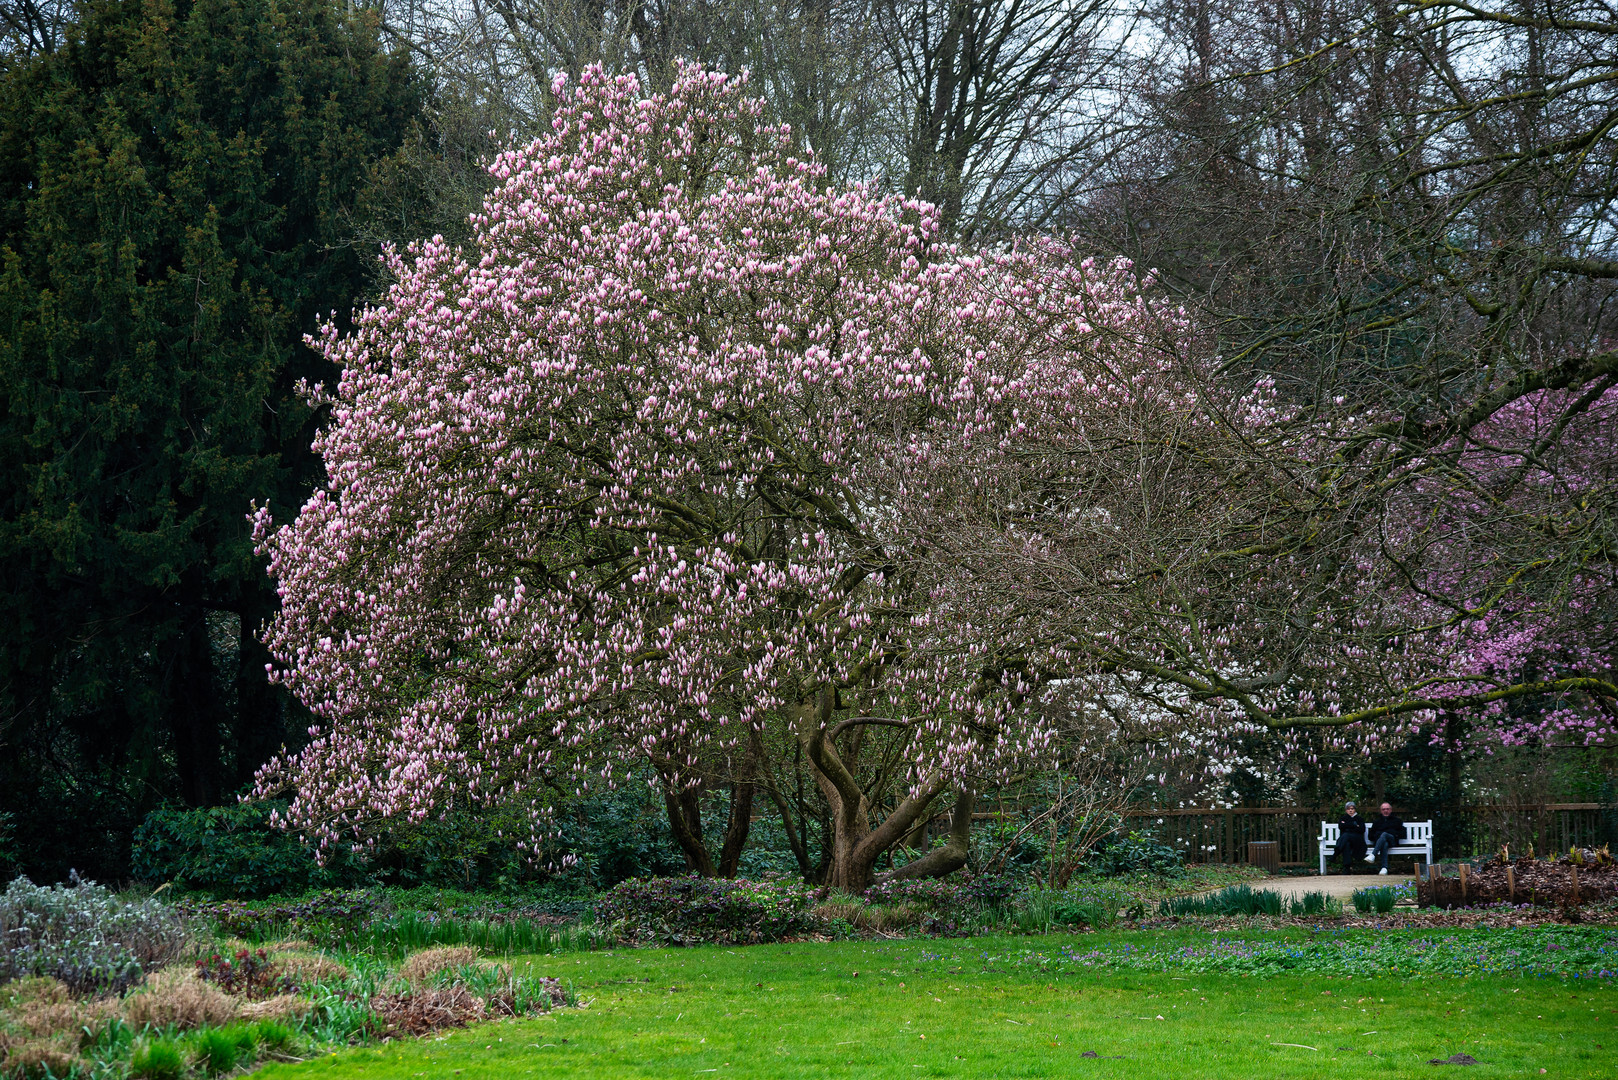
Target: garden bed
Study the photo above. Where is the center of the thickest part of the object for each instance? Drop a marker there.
(96, 984)
(1565, 882)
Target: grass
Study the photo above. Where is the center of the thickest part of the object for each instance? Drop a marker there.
(984, 1007)
(409, 931)
(158, 1059)
(1380, 900)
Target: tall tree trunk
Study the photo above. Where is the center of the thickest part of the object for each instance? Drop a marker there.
(741, 814)
(685, 822)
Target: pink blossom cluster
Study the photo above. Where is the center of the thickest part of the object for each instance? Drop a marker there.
(632, 471)
(1519, 550)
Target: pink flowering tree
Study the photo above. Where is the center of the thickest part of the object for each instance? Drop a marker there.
(1506, 549)
(690, 463)
(623, 487)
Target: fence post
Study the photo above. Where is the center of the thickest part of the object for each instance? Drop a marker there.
(1229, 852)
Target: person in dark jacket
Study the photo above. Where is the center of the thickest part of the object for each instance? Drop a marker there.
(1350, 838)
(1386, 831)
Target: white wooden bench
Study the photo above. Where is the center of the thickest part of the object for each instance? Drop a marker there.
(1418, 841)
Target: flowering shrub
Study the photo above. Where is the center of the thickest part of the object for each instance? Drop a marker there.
(83, 935)
(692, 909)
(934, 894)
(990, 891)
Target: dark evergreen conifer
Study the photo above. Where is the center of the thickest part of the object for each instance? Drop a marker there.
(176, 186)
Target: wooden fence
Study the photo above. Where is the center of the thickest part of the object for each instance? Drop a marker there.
(1552, 827)
(1221, 836)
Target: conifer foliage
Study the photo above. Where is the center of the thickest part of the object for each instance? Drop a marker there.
(175, 187)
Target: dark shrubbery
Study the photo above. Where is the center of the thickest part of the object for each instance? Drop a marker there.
(232, 851)
(691, 909)
(333, 915)
(1138, 853)
(83, 935)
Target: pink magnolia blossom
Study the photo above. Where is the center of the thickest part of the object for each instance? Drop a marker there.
(629, 474)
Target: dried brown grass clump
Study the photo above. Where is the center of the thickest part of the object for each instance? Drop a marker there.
(70, 1023)
(38, 1058)
(288, 945)
(42, 1019)
(418, 1012)
(875, 917)
(283, 1007)
(308, 967)
(40, 989)
(178, 997)
(422, 966)
(847, 910)
(900, 916)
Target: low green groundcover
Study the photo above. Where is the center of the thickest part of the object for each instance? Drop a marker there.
(1174, 1003)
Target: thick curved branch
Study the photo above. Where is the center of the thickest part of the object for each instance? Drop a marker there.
(953, 854)
(865, 721)
(1599, 688)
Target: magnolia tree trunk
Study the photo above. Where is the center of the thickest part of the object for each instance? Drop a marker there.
(683, 801)
(856, 844)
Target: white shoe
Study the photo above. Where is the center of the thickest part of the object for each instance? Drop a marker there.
(1369, 857)
(1383, 871)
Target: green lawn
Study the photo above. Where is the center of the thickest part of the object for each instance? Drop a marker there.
(931, 1008)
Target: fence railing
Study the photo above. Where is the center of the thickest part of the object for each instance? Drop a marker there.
(1551, 827)
(1221, 836)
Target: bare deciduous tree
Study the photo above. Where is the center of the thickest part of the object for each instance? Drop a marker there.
(31, 27)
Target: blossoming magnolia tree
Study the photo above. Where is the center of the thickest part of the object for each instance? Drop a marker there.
(689, 459)
(626, 482)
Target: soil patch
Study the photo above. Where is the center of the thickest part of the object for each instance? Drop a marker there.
(1566, 882)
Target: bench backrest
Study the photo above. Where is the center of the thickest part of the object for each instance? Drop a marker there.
(1416, 832)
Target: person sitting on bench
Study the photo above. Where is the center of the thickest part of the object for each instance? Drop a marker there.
(1386, 831)
(1350, 838)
